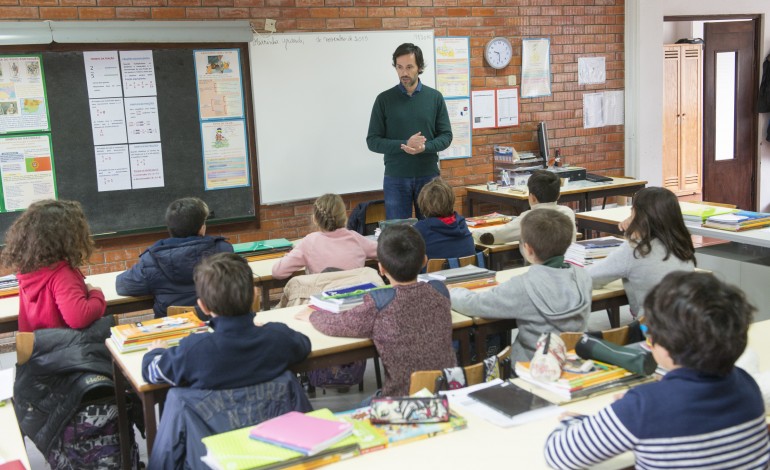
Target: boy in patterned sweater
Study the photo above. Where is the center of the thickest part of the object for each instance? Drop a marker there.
(410, 324)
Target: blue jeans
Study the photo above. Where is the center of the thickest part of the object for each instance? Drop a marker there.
(401, 194)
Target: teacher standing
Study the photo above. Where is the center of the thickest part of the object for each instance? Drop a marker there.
(410, 125)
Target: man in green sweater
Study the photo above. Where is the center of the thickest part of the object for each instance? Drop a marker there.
(410, 125)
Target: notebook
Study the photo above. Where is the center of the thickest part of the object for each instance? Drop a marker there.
(300, 432)
(509, 399)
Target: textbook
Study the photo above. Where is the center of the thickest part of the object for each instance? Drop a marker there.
(136, 336)
(300, 432)
(339, 300)
(274, 245)
(699, 212)
(455, 275)
(738, 221)
(586, 252)
(235, 450)
(494, 218)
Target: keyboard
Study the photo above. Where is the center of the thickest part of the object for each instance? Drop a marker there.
(594, 178)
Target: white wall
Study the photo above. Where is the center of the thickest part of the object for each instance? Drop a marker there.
(644, 81)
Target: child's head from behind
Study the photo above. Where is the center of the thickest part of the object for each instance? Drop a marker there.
(401, 252)
(225, 284)
(657, 215)
(48, 232)
(547, 232)
(544, 185)
(329, 212)
(699, 320)
(186, 217)
(436, 199)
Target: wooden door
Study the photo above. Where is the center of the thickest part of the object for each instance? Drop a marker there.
(671, 117)
(731, 179)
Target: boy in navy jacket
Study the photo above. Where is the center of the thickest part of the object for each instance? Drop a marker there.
(238, 353)
(165, 270)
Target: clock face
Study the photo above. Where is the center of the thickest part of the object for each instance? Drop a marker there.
(498, 53)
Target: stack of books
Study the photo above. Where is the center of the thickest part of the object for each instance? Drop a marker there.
(467, 276)
(9, 285)
(738, 221)
(585, 252)
(487, 220)
(699, 213)
(345, 298)
(263, 249)
(137, 336)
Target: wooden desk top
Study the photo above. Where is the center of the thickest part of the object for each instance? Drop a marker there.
(573, 187)
(12, 444)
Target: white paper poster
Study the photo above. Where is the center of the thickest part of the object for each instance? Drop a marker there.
(142, 119)
(113, 171)
(453, 67)
(102, 74)
(108, 122)
(146, 165)
(220, 94)
(507, 107)
(603, 109)
(460, 119)
(225, 160)
(26, 169)
(535, 67)
(592, 110)
(591, 70)
(483, 106)
(613, 108)
(138, 73)
(23, 105)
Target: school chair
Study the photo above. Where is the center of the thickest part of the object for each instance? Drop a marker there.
(438, 264)
(180, 309)
(25, 343)
(474, 374)
(365, 217)
(621, 336)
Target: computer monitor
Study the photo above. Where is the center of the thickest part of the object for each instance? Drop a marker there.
(542, 139)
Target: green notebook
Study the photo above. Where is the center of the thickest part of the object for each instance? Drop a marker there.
(262, 245)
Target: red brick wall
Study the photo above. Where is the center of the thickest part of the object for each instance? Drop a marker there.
(577, 28)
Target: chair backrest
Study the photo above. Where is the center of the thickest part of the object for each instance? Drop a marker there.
(25, 342)
(299, 288)
(438, 264)
(375, 212)
(179, 309)
(617, 336)
(474, 374)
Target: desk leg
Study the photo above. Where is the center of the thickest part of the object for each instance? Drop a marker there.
(265, 293)
(463, 336)
(150, 426)
(123, 425)
(470, 205)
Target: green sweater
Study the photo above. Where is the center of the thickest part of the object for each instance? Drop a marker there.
(396, 116)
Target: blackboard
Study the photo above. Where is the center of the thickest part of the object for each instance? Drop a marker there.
(128, 211)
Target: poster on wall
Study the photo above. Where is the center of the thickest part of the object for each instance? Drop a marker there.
(453, 66)
(138, 73)
(225, 154)
(460, 119)
(23, 101)
(218, 78)
(102, 74)
(535, 68)
(26, 171)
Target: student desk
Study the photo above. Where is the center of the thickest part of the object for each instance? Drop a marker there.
(581, 191)
(501, 255)
(9, 306)
(12, 443)
(326, 351)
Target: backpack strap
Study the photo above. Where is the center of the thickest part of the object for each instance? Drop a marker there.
(453, 263)
(440, 287)
(382, 297)
(480, 259)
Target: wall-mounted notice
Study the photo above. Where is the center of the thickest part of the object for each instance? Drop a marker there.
(507, 107)
(138, 73)
(113, 170)
(460, 118)
(146, 165)
(142, 119)
(483, 105)
(23, 105)
(108, 121)
(102, 74)
(453, 67)
(220, 94)
(225, 156)
(591, 70)
(535, 67)
(26, 171)
(603, 109)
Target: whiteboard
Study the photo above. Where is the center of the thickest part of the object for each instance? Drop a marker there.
(313, 96)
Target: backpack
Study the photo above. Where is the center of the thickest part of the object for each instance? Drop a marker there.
(342, 376)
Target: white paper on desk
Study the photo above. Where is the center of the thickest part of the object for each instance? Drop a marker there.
(460, 397)
(6, 383)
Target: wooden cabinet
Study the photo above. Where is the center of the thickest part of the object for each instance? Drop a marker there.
(683, 118)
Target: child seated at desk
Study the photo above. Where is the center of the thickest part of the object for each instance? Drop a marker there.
(334, 246)
(657, 243)
(238, 353)
(544, 191)
(165, 270)
(46, 245)
(410, 324)
(704, 413)
(551, 296)
(445, 232)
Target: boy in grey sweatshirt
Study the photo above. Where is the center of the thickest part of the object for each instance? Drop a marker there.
(551, 296)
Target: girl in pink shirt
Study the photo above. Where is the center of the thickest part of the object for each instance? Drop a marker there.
(46, 245)
(333, 246)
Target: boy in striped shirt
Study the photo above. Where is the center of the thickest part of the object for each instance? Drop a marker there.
(704, 413)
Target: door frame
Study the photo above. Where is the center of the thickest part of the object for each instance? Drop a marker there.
(756, 19)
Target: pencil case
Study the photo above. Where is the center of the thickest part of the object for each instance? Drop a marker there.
(633, 360)
(409, 410)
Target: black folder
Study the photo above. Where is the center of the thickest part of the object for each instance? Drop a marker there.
(509, 399)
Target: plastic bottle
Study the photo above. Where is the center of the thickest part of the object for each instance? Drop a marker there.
(557, 158)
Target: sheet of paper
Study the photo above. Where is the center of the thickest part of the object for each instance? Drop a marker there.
(220, 94)
(138, 72)
(603, 109)
(6, 383)
(146, 165)
(508, 107)
(225, 160)
(113, 172)
(535, 67)
(460, 120)
(26, 170)
(102, 74)
(453, 77)
(23, 105)
(483, 106)
(591, 70)
(108, 121)
(142, 119)
(593, 104)
(613, 108)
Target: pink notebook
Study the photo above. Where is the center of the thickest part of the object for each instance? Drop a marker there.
(300, 432)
